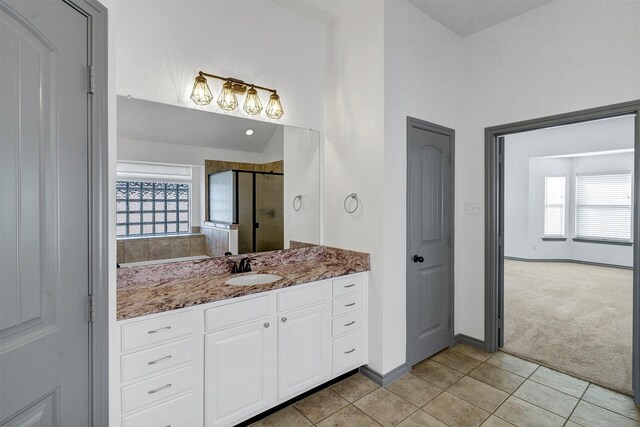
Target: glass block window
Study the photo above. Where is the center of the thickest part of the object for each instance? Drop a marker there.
(152, 208)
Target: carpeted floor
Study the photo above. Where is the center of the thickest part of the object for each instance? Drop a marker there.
(570, 317)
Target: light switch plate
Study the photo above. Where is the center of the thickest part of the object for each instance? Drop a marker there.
(473, 208)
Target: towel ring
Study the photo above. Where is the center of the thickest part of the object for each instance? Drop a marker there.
(298, 198)
(353, 196)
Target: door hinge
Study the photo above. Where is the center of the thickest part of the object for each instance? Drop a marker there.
(449, 322)
(501, 324)
(449, 158)
(91, 307)
(501, 241)
(500, 158)
(449, 240)
(91, 79)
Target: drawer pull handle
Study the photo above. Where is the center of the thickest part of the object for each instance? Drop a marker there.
(267, 324)
(349, 305)
(350, 351)
(350, 323)
(350, 286)
(284, 320)
(162, 359)
(155, 390)
(154, 331)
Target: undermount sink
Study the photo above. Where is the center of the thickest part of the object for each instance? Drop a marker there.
(253, 279)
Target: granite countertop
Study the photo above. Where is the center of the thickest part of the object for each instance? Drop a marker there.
(158, 288)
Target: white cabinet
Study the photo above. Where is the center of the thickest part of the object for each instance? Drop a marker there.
(304, 347)
(349, 323)
(241, 356)
(159, 370)
(240, 372)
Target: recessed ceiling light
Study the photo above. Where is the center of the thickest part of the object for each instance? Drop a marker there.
(249, 132)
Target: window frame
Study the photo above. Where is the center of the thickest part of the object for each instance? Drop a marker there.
(606, 240)
(562, 236)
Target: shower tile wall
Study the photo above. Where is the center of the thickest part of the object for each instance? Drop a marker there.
(136, 250)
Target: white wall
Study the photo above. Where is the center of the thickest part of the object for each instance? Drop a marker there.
(163, 152)
(114, 350)
(162, 44)
(274, 150)
(527, 242)
(421, 65)
(563, 56)
(301, 177)
(527, 162)
(354, 146)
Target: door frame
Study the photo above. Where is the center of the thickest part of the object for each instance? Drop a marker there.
(451, 133)
(98, 123)
(494, 218)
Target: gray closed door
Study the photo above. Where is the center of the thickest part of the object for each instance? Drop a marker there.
(44, 285)
(429, 207)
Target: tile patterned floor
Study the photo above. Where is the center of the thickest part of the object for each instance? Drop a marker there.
(463, 387)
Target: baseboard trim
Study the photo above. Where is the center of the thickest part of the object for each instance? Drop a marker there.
(465, 339)
(574, 261)
(386, 379)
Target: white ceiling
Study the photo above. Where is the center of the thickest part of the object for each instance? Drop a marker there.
(465, 17)
(153, 121)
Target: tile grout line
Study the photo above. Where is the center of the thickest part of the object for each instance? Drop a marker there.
(512, 394)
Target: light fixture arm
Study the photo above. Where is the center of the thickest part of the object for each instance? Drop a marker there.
(235, 81)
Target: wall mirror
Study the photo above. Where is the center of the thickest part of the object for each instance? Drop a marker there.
(192, 184)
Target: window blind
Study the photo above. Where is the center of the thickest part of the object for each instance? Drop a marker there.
(554, 205)
(603, 206)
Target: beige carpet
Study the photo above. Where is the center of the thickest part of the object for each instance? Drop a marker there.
(570, 317)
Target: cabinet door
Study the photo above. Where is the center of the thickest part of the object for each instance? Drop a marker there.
(304, 347)
(240, 372)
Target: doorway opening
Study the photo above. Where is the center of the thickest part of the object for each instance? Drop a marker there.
(561, 267)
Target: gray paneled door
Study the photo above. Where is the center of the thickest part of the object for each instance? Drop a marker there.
(44, 215)
(429, 239)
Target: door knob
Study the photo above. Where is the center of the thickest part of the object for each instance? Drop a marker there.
(417, 258)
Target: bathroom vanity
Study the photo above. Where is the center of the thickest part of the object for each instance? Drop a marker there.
(195, 351)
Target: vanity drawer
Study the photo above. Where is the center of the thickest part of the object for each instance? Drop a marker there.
(347, 324)
(348, 352)
(156, 359)
(348, 304)
(303, 297)
(156, 389)
(236, 313)
(348, 285)
(175, 413)
(155, 331)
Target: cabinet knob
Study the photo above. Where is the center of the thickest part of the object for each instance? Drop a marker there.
(266, 324)
(284, 320)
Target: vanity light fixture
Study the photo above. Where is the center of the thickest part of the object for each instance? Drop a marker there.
(227, 101)
(252, 104)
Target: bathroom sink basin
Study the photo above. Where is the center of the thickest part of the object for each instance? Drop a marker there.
(253, 279)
